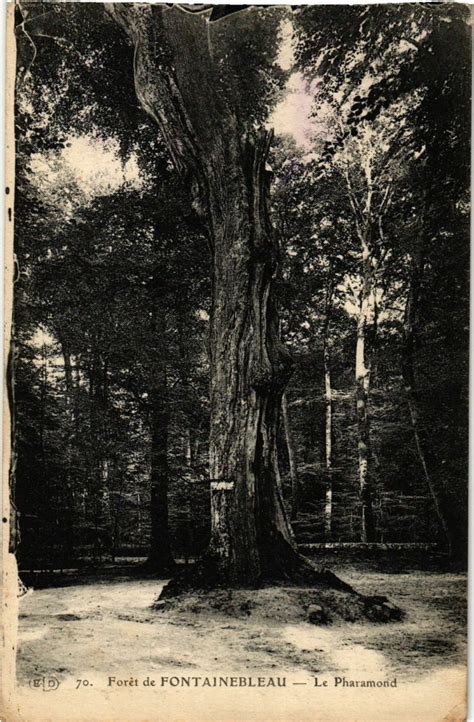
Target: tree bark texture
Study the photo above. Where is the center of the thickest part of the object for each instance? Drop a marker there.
(178, 83)
(249, 370)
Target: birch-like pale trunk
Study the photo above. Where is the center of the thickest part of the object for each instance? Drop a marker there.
(328, 411)
(362, 379)
(187, 447)
(328, 444)
(368, 215)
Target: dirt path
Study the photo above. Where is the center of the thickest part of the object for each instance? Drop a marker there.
(101, 626)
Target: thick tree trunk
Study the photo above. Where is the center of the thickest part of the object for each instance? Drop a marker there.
(250, 534)
(362, 378)
(290, 446)
(178, 81)
(409, 381)
(251, 537)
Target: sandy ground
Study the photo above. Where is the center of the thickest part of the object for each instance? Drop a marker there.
(107, 629)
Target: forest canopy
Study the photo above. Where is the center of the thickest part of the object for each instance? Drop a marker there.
(218, 297)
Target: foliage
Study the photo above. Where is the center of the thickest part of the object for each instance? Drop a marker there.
(114, 281)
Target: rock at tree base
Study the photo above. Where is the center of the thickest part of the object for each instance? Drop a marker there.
(316, 614)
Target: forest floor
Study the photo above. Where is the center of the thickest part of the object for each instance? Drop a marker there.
(99, 625)
(97, 629)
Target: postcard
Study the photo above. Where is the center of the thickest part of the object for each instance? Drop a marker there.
(236, 361)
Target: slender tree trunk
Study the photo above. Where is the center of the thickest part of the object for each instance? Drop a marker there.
(328, 410)
(328, 444)
(67, 367)
(368, 215)
(14, 521)
(409, 381)
(43, 403)
(99, 433)
(195, 450)
(187, 447)
(362, 378)
(291, 459)
(160, 556)
(69, 490)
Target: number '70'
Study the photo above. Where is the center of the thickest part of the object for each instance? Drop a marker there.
(82, 683)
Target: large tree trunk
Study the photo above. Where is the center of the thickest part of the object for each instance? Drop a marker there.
(249, 370)
(362, 378)
(178, 81)
(409, 381)
(250, 534)
(290, 445)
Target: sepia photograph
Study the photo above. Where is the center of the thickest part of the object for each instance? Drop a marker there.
(237, 362)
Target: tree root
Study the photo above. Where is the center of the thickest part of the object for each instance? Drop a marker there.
(336, 598)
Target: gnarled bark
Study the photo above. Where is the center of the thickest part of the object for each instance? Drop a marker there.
(178, 82)
(249, 370)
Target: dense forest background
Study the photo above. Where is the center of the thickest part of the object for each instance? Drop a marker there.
(370, 206)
